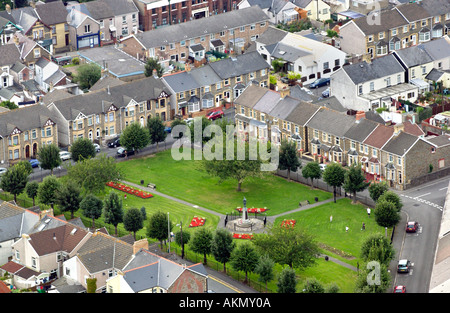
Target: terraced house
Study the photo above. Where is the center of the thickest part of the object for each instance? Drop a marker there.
(24, 131)
(103, 114)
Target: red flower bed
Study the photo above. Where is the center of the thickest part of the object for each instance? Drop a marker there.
(130, 190)
(242, 236)
(197, 221)
(253, 210)
(287, 223)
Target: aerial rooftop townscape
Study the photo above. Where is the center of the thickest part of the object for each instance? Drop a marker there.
(227, 147)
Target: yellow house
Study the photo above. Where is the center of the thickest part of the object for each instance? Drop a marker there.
(316, 9)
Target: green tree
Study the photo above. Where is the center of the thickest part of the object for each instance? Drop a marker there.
(386, 214)
(196, 125)
(82, 148)
(156, 130)
(176, 122)
(158, 227)
(391, 196)
(87, 75)
(182, 238)
(144, 213)
(153, 64)
(92, 207)
(312, 171)
(9, 105)
(244, 258)
(289, 159)
(113, 210)
(135, 137)
(69, 197)
(265, 269)
(287, 281)
(133, 221)
(48, 190)
(91, 285)
(31, 190)
(222, 245)
(334, 176)
(355, 180)
(14, 180)
(377, 189)
(312, 285)
(201, 242)
(277, 65)
(377, 248)
(373, 278)
(49, 158)
(26, 166)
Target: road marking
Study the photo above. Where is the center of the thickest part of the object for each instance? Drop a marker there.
(225, 284)
(443, 188)
(424, 201)
(423, 195)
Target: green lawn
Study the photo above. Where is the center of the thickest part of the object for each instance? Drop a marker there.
(184, 180)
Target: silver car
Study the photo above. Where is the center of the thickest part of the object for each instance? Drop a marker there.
(64, 155)
(97, 147)
(3, 170)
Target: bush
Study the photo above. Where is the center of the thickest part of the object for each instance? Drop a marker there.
(76, 61)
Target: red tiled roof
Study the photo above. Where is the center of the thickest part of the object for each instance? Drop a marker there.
(412, 129)
(11, 267)
(379, 136)
(4, 288)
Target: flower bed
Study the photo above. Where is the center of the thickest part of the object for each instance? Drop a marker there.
(129, 190)
(242, 236)
(287, 223)
(253, 210)
(197, 221)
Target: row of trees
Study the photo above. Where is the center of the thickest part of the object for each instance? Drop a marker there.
(135, 136)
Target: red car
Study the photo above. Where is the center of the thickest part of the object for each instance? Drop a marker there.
(214, 115)
(399, 289)
(412, 227)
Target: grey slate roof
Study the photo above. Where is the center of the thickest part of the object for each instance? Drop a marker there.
(413, 11)
(9, 54)
(438, 48)
(434, 75)
(272, 35)
(436, 7)
(25, 118)
(288, 53)
(399, 144)
(439, 141)
(181, 82)
(201, 27)
(388, 19)
(267, 102)
(51, 13)
(360, 130)
(301, 114)
(331, 103)
(251, 95)
(239, 65)
(413, 56)
(99, 10)
(205, 76)
(331, 122)
(284, 107)
(121, 7)
(380, 67)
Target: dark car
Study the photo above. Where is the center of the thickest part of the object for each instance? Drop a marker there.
(168, 129)
(320, 82)
(214, 115)
(122, 152)
(412, 227)
(326, 93)
(115, 143)
(34, 163)
(403, 266)
(399, 289)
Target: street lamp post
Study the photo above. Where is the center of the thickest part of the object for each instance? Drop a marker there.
(168, 229)
(181, 238)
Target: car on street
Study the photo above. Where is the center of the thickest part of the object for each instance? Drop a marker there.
(399, 289)
(64, 155)
(412, 227)
(34, 163)
(3, 170)
(285, 80)
(122, 152)
(214, 115)
(168, 129)
(189, 120)
(326, 93)
(320, 82)
(97, 147)
(115, 143)
(403, 266)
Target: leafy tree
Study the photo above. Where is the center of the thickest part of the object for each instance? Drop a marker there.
(26, 166)
(265, 269)
(287, 245)
(312, 171)
(312, 285)
(391, 196)
(113, 210)
(87, 75)
(15, 180)
(135, 137)
(373, 278)
(386, 213)
(377, 189)
(332, 288)
(157, 227)
(205, 122)
(334, 176)
(31, 190)
(277, 65)
(377, 248)
(176, 122)
(93, 174)
(133, 221)
(182, 238)
(201, 242)
(144, 213)
(244, 258)
(49, 158)
(289, 159)
(82, 148)
(222, 245)
(355, 180)
(153, 64)
(9, 105)
(156, 130)
(69, 197)
(92, 207)
(48, 189)
(287, 281)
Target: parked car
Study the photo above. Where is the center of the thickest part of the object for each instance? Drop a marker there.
(34, 163)
(115, 143)
(64, 155)
(399, 289)
(122, 152)
(214, 115)
(320, 82)
(285, 80)
(97, 147)
(326, 93)
(168, 129)
(412, 227)
(189, 120)
(322, 166)
(403, 266)
(3, 170)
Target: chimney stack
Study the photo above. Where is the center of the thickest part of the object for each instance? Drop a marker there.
(140, 244)
(360, 115)
(398, 128)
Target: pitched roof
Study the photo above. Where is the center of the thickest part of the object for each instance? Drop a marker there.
(400, 143)
(106, 81)
(360, 130)
(284, 107)
(436, 7)
(250, 96)
(439, 141)
(272, 35)
(413, 56)
(12, 267)
(121, 7)
(412, 11)
(51, 13)
(239, 65)
(25, 118)
(330, 121)
(9, 54)
(379, 136)
(181, 81)
(413, 129)
(302, 113)
(388, 19)
(267, 102)
(438, 48)
(99, 10)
